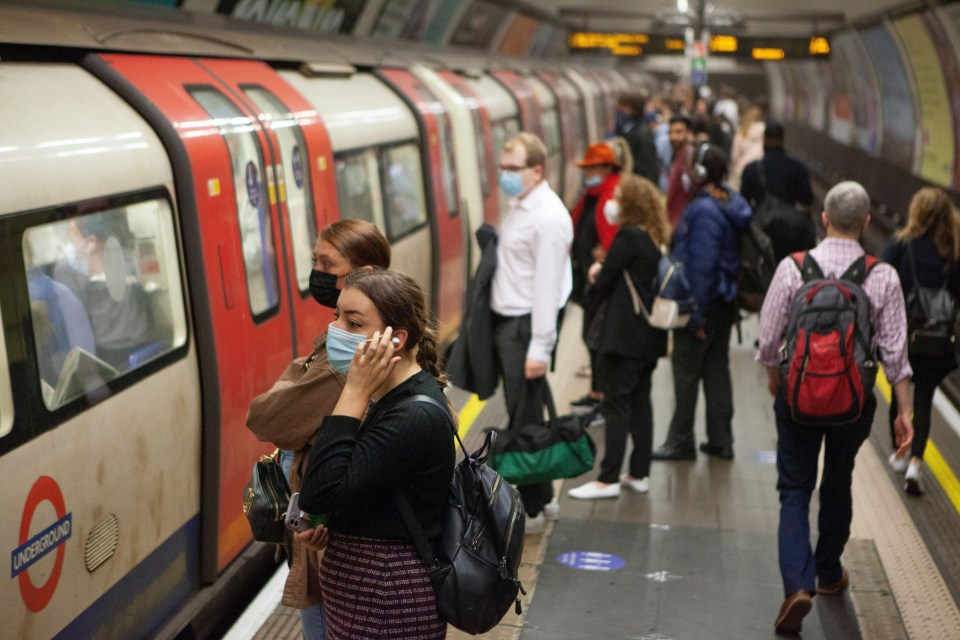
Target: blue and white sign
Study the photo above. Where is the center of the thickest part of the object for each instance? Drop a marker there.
(591, 560)
(253, 184)
(297, 163)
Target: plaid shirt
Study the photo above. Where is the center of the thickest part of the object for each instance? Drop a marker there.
(887, 313)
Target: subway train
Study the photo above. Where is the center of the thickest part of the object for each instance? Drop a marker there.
(163, 181)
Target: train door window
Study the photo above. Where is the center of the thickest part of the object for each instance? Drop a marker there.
(482, 160)
(253, 207)
(358, 186)
(405, 205)
(6, 395)
(551, 129)
(500, 132)
(105, 294)
(293, 179)
(448, 168)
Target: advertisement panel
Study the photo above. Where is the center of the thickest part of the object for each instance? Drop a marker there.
(896, 95)
(934, 146)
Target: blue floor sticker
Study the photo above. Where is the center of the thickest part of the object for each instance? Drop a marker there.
(591, 560)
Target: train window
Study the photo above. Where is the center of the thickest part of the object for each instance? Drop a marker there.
(253, 208)
(358, 186)
(446, 159)
(551, 128)
(500, 132)
(405, 204)
(6, 395)
(105, 295)
(481, 148)
(293, 179)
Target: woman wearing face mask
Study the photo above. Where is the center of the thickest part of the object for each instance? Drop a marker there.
(592, 235)
(629, 347)
(289, 413)
(374, 582)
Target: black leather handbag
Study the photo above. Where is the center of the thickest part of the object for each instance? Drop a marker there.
(265, 500)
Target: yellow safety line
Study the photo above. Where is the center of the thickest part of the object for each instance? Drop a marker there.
(469, 413)
(935, 462)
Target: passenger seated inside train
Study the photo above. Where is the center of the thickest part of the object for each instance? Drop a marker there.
(98, 268)
(60, 322)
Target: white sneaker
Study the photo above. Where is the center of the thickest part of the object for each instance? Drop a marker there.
(640, 486)
(594, 490)
(912, 479)
(535, 525)
(597, 421)
(552, 509)
(899, 465)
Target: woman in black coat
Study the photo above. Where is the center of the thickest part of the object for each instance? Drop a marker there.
(628, 346)
(931, 237)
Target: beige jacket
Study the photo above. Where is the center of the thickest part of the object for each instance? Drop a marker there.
(288, 415)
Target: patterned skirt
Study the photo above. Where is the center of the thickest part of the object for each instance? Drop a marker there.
(377, 589)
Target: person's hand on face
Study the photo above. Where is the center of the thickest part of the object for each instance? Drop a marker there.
(374, 360)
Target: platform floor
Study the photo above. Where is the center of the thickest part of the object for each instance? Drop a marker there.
(699, 551)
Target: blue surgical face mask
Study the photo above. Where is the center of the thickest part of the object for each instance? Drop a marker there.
(79, 264)
(341, 345)
(511, 183)
(592, 181)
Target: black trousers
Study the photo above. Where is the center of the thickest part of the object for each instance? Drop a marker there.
(707, 360)
(628, 411)
(524, 398)
(926, 379)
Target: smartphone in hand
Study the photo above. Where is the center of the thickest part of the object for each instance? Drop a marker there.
(296, 520)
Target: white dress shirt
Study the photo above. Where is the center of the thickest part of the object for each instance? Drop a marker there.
(533, 265)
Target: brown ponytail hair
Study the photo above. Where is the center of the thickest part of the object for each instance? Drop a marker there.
(401, 304)
(360, 242)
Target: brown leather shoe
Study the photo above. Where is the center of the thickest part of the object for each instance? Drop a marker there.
(795, 607)
(833, 588)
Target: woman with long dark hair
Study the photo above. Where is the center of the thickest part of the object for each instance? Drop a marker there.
(376, 442)
(628, 346)
(926, 252)
(290, 412)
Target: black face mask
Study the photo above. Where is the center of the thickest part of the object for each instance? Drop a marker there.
(323, 286)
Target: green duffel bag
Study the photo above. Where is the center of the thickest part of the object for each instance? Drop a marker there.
(537, 453)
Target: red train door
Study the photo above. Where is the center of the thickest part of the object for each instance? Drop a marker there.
(486, 161)
(530, 110)
(241, 300)
(446, 222)
(302, 161)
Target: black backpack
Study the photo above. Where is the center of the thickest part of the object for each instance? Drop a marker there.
(757, 266)
(474, 569)
(788, 229)
(830, 365)
(931, 316)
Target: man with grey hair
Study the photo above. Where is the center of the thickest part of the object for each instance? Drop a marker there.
(804, 572)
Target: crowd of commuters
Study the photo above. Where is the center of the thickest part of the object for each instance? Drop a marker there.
(699, 171)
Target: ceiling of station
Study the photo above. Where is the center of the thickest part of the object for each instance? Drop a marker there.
(743, 17)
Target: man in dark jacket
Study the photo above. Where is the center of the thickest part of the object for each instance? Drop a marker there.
(707, 241)
(631, 125)
(785, 178)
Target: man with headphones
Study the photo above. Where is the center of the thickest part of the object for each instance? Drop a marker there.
(707, 241)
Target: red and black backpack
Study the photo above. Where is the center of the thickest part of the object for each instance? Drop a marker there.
(830, 365)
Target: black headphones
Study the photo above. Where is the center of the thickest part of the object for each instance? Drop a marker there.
(699, 171)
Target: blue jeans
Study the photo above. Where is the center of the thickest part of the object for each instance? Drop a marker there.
(798, 449)
(314, 623)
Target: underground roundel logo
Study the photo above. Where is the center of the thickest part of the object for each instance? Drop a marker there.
(50, 539)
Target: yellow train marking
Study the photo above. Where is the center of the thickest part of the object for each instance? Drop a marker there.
(469, 414)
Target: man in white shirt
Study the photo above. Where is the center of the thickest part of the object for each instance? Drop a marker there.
(532, 283)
